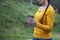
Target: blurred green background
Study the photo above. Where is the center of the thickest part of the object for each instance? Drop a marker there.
(13, 15)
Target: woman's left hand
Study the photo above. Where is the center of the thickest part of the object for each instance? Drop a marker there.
(33, 22)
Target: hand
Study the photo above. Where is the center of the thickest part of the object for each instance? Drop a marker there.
(31, 21)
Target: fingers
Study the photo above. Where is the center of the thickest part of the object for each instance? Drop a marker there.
(30, 20)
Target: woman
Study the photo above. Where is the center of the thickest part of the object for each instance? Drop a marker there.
(43, 29)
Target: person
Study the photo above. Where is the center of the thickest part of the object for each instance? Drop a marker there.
(43, 31)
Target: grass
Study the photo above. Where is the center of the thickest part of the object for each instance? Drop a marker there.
(13, 17)
(12, 20)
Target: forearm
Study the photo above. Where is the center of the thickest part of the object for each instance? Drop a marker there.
(43, 27)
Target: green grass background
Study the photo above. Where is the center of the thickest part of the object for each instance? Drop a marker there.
(12, 19)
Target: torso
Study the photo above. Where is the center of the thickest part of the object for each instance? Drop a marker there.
(39, 33)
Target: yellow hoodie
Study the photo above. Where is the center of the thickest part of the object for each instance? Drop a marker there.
(44, 30)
